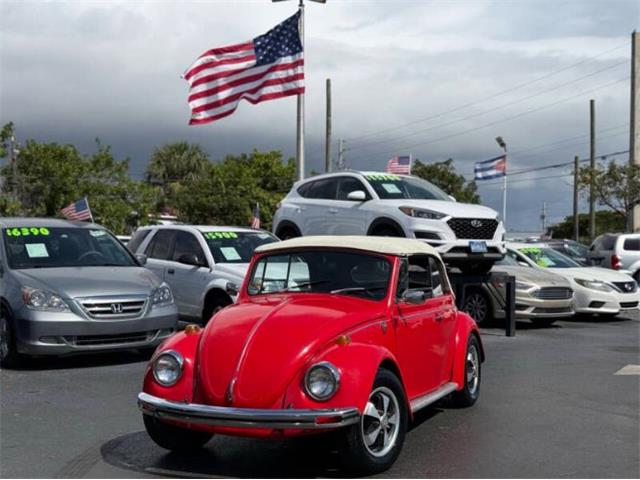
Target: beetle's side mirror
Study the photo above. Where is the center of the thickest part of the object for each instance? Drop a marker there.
(414, 297)
(142, 258)
(357, 196)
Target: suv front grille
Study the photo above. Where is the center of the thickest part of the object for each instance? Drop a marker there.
(626, 287)
(554, 293)
(114, 307)
(473, 228)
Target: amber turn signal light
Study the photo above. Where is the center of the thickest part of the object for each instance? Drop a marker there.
(192, 329)
(343, 340)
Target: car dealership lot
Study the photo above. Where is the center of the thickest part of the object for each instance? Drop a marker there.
(550, 406)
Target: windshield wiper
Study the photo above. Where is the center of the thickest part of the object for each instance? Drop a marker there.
(356, 289)
(303, 285)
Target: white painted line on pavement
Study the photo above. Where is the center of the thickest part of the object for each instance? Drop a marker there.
(629, 370)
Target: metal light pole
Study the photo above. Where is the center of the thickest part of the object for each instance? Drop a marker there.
(300, 106)
(503, 145)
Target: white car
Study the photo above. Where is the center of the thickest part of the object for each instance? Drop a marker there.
(467, 236)
(596, 290)
(203, 265)
(618, 252)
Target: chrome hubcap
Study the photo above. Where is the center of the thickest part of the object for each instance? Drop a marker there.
(380, 422)
(476, 306)
(473, 370)
(4, 337)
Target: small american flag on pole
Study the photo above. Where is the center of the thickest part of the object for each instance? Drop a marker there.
(399, 165)
(268, 67)
(78, 210)
(255, 220)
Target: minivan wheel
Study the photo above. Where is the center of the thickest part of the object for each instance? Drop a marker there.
(374, 443)
(174, 438)
(9, 356)
(287, 233)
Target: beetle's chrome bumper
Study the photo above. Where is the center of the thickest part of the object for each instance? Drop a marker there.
(196, 414)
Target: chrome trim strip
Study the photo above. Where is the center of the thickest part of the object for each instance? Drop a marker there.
(421, 402)
(198, 414)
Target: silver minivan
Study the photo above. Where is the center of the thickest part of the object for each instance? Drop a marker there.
(618, 251)
(69, 287)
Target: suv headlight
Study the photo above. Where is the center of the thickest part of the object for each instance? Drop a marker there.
(43, 300)
(421, 213)
(167, 368)
(161, 296)
(595, 285)
(322, 381)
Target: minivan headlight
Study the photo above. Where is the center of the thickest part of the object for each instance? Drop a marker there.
(595, 285)
(321, 381)
(422, 213)
(167, 368)
(162, 296)
(43, 300)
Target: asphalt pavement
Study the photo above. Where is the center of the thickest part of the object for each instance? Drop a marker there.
(551, 405)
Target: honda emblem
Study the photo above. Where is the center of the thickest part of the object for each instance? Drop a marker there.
(116, 308)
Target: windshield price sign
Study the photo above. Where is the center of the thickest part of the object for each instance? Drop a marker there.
(219, 235)
(26, 231)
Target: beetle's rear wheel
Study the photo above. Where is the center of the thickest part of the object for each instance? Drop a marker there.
(472, 374)
(174, 438)
(374, 443)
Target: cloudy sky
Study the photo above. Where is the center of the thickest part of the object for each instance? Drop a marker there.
(437, 79)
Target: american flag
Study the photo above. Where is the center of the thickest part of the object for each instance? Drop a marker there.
(78, 210)
(492, 168)
(399, 165)
(255, 221)
(268, 67)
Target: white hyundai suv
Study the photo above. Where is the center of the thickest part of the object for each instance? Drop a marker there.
(467, 236)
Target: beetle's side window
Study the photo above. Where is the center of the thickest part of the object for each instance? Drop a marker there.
(414, 275)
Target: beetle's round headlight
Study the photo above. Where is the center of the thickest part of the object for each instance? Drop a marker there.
(322, 381)
(167, 368)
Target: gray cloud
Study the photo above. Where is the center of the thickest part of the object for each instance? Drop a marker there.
(72, 71)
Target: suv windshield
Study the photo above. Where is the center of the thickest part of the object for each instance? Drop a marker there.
(391, 187)
(548, 258)
(318, 271)
(235, 247)
(40, 247)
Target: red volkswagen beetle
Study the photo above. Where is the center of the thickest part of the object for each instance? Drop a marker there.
(350, 333)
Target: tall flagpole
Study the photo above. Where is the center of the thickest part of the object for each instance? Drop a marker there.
(300, 122)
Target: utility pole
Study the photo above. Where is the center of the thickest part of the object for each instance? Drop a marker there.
(592, 164)
(327, 143)
(341, 154)
(576, 225)
(634, 137)
(14, 168)
(543, 218)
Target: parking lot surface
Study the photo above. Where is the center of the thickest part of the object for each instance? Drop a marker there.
(551, 406)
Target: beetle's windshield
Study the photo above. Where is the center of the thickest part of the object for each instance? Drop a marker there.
(319, 271)
(548, 258)
(391, 187)
(40, 247)
(235, 247)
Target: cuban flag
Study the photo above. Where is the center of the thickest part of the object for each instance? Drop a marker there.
(493, 168)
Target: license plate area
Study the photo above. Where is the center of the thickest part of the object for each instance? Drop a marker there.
(477, 246)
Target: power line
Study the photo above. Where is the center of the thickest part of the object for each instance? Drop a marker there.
(526, 112)
(517, 87)
(479, 114)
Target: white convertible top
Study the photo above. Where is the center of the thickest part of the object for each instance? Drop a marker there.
(387, 245)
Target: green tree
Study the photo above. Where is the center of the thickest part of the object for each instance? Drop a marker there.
(226, 193)
(173, 164)
(606, 221)
(444, 175)
(616, 186)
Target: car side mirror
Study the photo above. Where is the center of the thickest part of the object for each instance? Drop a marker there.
(357, 196)
(452, 198)
(142, 258)
(190, 259)
(415, 297)
(523, 264)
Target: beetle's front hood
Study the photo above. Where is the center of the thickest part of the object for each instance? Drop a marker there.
(250, 352)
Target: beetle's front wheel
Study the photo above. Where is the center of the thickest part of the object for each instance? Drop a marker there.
(374, 443)
(174, 438)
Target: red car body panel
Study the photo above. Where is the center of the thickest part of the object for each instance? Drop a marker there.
(254, 354)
